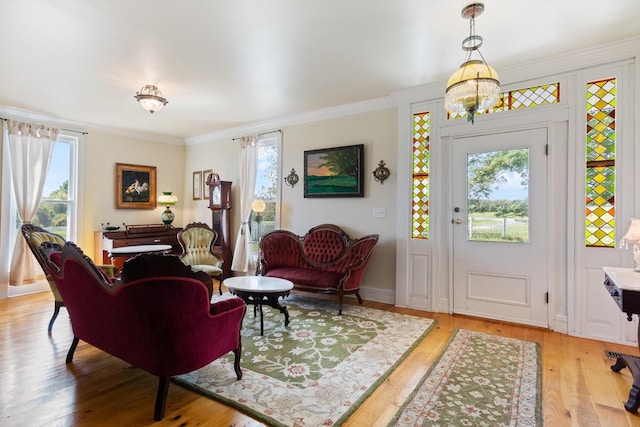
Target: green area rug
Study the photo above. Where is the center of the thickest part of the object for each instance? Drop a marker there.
(317, 370)
(479, 380)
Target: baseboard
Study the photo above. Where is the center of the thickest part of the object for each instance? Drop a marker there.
(386, 296)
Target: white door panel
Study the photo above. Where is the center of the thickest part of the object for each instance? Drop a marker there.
(500, 264)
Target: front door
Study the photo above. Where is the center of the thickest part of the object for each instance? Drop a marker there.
(499, 226)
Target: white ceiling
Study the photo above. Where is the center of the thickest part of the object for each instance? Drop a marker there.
(228, 63)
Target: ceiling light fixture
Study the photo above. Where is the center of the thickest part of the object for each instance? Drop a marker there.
(150, 98)
(474, 86)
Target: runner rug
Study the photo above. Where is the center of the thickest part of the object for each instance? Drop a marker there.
(480, 380)
(317, 370)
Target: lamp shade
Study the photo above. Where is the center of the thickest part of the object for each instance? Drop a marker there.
(473, 87)
(633, 233)
(258, 206)
(167, 199)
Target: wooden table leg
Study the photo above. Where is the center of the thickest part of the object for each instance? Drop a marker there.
(633, 363)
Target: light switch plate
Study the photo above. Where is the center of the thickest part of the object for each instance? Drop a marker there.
(379, 212)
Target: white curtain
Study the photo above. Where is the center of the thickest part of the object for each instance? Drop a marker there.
(30, 149)
(242, 257)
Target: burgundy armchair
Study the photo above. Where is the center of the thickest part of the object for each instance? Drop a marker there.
(165, 326)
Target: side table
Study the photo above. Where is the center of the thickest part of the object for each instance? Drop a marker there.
(259, 291)
(623, 285)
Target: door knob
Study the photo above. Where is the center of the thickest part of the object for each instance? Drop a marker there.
(458, 221)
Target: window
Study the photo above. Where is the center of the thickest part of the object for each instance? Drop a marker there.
(267, 185)
(420, 176)
(601, 163)
(57, 204)
(523, 98)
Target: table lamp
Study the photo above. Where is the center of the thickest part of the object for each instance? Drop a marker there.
(258, 206)
(633, 237)
(167, 199)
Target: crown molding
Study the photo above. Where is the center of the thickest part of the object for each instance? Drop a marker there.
(295, 119)
(30, 116)
(84, 128)
(153, 137)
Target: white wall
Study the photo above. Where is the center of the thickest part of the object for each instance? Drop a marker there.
(97, 199)
(377, 131)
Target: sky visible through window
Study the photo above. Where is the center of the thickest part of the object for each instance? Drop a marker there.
(510, 190)
(58, 168)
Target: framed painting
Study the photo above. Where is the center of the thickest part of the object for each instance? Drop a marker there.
(205, 190)
(135, 186)
(197, 185)
(334, 172)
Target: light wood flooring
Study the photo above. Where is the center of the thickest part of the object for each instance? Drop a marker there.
(37, 388)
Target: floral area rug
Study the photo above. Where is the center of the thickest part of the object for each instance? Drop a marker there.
(317, 370)
(480, 380)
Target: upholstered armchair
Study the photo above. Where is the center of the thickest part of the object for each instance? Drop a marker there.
(164, 325)
(197, 240)
(35, 236)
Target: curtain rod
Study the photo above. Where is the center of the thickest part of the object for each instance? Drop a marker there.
(260, 134)
(66, 130)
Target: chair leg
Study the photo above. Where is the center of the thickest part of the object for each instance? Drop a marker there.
(72, 349)
(56, 311)
(359, 297)
(236, 361)
(161, 398)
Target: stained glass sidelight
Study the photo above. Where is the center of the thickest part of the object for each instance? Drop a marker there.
(600, 173)
(420, 187)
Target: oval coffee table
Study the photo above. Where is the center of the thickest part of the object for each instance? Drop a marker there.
(259, 291)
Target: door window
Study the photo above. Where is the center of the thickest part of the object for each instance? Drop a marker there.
(497, 196)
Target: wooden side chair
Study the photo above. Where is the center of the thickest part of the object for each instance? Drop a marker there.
(197, 240)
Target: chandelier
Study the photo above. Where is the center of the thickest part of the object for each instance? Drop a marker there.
(474, 86)
(150, 98)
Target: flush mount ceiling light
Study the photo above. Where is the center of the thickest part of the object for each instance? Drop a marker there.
(151, 98)
(475, 85)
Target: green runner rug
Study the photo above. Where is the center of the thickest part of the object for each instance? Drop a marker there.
(479, 380)
(317, 370)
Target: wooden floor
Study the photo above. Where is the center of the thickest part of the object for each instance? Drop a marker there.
(37, 388)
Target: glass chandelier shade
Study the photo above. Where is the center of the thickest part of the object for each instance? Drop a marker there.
(150, 98)
(475, 85)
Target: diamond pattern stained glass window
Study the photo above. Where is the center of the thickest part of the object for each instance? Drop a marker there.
(600, 176)
(420, 187)
(523, 98)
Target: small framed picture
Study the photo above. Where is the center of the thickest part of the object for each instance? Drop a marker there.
(197, 185)
(205, 190)
(135, 186)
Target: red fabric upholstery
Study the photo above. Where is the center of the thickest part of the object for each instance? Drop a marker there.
(163, 325)
(324, 260)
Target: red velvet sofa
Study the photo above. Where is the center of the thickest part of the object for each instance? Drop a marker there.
(325, 260)
(163, 325)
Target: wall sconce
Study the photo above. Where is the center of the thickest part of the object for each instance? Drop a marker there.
(292, 178)
(381, 173)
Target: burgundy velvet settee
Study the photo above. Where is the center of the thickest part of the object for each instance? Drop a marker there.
(165, 326)
(325, 260)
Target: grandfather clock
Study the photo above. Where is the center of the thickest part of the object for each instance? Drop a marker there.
(220, 205)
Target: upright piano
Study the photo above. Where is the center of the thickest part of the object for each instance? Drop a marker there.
(136, 235)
